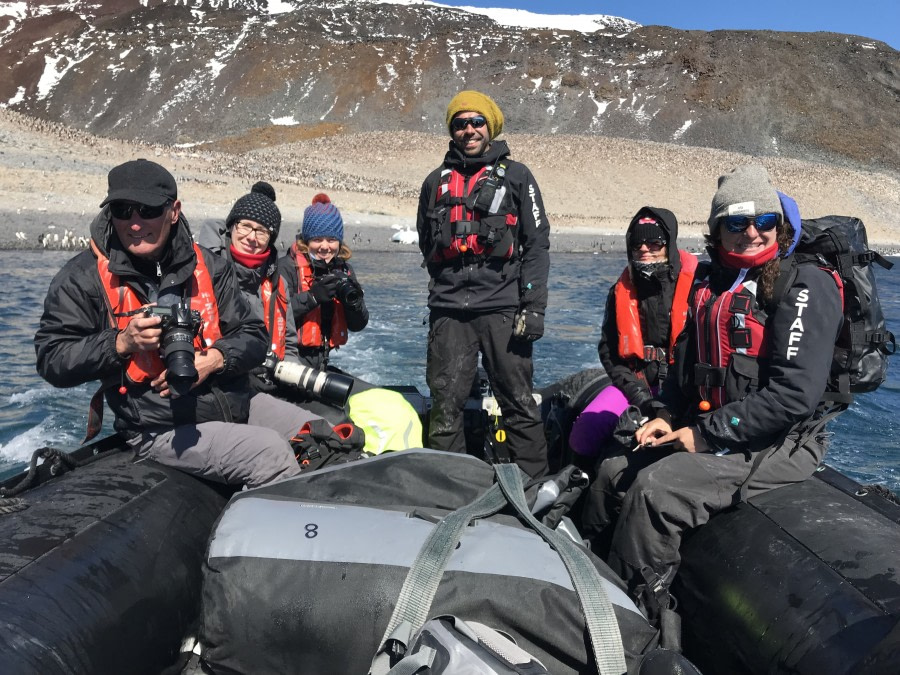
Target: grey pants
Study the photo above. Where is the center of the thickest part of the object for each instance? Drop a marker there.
(250, 454)
(660, 499)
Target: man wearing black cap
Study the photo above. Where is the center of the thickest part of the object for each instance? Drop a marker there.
(162, 323)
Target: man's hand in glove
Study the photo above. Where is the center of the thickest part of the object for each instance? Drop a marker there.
(324, 288)
(528, 325)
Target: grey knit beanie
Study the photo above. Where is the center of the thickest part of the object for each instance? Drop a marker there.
(746, 191)
(258, 206)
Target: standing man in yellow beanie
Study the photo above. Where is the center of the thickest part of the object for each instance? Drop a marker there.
(485, 238)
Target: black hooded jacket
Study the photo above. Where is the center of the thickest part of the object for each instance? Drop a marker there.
(655, 292)
(76, 344)
(492, 283)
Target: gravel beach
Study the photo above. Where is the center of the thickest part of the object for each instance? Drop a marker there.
(52, 179)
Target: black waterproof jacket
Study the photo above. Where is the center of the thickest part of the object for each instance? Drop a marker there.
(490, 284)
(655, 292)
(791, 384)
(75, 342)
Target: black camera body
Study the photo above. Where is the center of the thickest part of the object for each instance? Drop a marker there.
(347, 290)
(180, 325)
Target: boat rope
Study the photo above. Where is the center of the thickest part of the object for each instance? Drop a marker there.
(48, 454)
(880, 490)
(12, 505)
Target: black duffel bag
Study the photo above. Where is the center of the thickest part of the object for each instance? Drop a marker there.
(303, 576)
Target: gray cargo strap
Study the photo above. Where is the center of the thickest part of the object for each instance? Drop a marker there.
(425, 573)
(606, 640)
(424, 576)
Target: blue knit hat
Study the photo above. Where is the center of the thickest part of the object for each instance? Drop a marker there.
(322, 219)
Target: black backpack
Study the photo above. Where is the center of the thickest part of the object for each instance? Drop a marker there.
(861, 350)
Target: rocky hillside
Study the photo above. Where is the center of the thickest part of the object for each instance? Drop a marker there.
(250, 73)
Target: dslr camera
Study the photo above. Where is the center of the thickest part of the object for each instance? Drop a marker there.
(180, 325)
(347, 290)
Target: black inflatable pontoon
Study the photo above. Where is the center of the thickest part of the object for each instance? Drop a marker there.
(100, 567)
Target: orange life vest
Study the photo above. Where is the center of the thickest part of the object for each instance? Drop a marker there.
(145, 366)
(275, 310)
(628, 321)
(309, 331)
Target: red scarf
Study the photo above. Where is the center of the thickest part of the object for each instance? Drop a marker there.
(740, 261)
(251, 260)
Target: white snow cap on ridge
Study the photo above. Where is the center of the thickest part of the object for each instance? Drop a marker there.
(520, 18)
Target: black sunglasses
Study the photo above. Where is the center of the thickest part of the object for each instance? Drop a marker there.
(123, 210)
(460, 123)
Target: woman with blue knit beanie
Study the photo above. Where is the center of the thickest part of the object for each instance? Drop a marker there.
(328, 299)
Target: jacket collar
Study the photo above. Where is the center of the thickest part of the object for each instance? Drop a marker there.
(455, 159)
(177, 264)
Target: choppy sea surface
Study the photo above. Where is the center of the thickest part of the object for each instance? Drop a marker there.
(391, 350)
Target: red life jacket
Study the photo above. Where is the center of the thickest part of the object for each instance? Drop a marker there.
(468, 231)
(309, 331)
(731, 327)
(145, 366)
(275, 311)
(628, 321)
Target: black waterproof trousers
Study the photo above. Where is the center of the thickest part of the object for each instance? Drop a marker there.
(649, 500)
(454, 342)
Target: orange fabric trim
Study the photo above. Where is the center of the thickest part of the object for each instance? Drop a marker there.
(278, 334)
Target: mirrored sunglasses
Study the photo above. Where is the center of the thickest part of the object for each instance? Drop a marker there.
(460, 123)
(763, 222)
(123, 210)
(651, 244)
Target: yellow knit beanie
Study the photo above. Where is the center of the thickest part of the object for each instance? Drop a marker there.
(475, 101)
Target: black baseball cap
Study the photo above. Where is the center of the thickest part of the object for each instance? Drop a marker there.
(141, 181)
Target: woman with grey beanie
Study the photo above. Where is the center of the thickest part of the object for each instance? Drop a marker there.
(741, 412)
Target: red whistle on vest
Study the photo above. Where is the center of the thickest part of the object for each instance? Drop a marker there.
(704, 406)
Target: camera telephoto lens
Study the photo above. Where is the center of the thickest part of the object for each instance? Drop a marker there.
(178, 354)
(179, 326)
(333, 388)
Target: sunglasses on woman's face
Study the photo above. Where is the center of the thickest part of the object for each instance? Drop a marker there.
(653, 245)
(123, 210)
(460, 123)
(763, 222)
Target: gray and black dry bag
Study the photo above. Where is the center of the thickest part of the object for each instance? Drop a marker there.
(315, 573)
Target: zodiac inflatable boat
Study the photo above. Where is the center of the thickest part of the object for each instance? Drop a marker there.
(100, 566)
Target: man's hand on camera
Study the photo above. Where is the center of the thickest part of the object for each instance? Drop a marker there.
(142, 334)
(324, 288)
(528, 325)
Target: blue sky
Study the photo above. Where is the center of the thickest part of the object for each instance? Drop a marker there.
(879, 19)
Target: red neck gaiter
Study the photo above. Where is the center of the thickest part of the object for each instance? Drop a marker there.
(738, 261)
(251, 260)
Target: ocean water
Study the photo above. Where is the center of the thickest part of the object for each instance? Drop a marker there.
(391, 350)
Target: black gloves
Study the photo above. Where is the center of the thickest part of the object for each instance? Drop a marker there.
(324, 288)
(528, 325)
